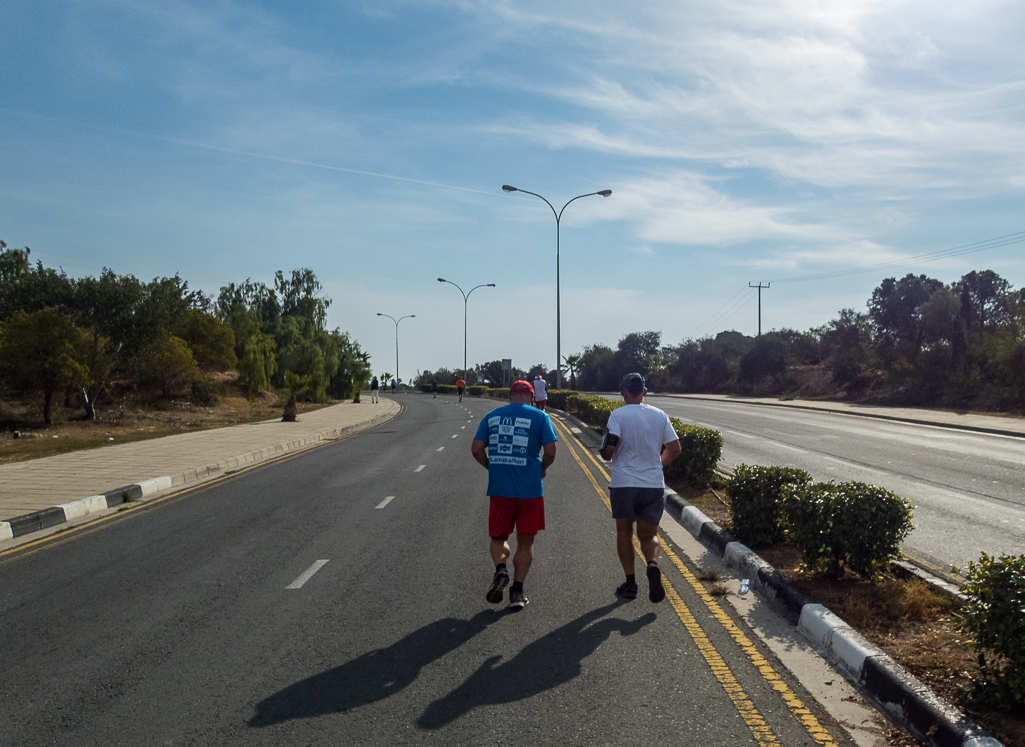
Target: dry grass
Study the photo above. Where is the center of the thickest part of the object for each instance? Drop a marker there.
(125, 422)
(906, 618)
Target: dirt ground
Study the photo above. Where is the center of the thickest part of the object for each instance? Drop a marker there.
(906, 618)
(23, 435)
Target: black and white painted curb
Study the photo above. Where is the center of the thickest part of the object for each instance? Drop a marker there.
(65, 512)
(905, 699)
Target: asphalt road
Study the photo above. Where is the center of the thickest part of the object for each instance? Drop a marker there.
(336, 596)
(968, 489)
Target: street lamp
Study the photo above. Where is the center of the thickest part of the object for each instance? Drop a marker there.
(558, 300)
(410, 316)
(466, 298)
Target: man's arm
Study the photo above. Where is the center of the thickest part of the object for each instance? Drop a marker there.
(547, 458)
(607, 452)
(479, 449)
(670, 452)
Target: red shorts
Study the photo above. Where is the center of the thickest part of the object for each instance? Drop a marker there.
(525, 515)
(541, 404)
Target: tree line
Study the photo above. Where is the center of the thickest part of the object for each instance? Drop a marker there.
(83, 340)
(919, 341)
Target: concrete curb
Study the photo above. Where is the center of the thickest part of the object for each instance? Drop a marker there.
(900, 695)
(47, 518)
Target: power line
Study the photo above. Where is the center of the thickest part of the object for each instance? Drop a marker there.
(978, 246)
(727, 310)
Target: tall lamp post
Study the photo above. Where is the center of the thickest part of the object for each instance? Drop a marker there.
(558, 299)
(466, 298)
(410, 316)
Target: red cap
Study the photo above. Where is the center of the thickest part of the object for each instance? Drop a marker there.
(521, 386)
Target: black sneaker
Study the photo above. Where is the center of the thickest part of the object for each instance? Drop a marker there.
(517, 600)
(627, 590)
(656, 592)
(500, 581)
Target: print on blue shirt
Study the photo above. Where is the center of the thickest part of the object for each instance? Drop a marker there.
(515, 435)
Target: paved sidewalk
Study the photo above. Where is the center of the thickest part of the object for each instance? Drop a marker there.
(158, 464)
(998, 424)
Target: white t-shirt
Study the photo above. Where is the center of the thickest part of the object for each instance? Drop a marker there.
(539, 390)
(642, 429)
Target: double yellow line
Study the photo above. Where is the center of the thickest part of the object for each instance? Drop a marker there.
(759, 727)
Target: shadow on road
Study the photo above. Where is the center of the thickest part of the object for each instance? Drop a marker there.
(373, 676)
(548, 662)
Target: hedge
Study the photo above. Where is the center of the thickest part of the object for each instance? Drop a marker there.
(843, 526)
(994, 617)
(756, 502)
(700, 454)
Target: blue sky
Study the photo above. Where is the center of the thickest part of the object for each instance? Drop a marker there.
(819, 147)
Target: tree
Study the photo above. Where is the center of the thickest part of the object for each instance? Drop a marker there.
(296, 385)
(637, 352)
(766, 358)
(896, 313)
(845, 341)
(257, 364)
(169, 365)
(42, 352)
(597, 369)
(212, 343)
(571, 367)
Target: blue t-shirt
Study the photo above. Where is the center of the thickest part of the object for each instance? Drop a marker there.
(515, 435)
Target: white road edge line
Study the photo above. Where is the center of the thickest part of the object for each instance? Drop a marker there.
(385, 502)
(420, 468)
(307, 575)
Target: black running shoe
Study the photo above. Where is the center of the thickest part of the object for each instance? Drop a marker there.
(517, 600)
(627, 590)
(656, 592)
(500, 581)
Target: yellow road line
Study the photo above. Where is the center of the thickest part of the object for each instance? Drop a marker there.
(771, 676)
(759, 727)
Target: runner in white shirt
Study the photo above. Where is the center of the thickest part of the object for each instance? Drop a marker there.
(540, 393)
(633, 442)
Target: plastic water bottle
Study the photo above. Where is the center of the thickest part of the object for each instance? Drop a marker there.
(745, 586)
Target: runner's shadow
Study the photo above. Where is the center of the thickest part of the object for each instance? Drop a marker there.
(546, 663)
(373, 676)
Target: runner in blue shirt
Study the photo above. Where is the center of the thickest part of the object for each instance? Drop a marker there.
(516, 444)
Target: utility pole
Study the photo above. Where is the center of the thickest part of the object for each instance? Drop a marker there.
(759, 287)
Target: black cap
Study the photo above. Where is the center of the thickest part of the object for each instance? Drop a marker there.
(632, 383)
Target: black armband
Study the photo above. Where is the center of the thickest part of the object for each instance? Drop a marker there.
(608, 439)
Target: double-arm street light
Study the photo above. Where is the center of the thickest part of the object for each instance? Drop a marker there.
(410, 316)
(558, 300)
(466, 298)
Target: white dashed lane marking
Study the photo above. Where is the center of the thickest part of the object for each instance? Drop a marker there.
(442, 448)
(455, 435)
(307, 575)
(420, 467)
(385, 502)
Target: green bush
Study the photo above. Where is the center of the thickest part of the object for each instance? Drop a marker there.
(994, 617)
(846, 526)
(208, 392)
(701, 449)
(557, 397)
(591, 408)
(756, 502)
(477, 391)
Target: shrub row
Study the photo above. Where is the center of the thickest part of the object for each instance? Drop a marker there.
(701, 451)
(701, 448)
(835, 526)
(994, 617)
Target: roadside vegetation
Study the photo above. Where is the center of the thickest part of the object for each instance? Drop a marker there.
(71, 348)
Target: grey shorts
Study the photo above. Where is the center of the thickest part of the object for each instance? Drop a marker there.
(638, 503)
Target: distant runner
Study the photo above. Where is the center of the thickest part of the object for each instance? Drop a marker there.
(434, 388)
(516, 444)
(375, 388)
(460, 386)
(540, 393)
(633, 441)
